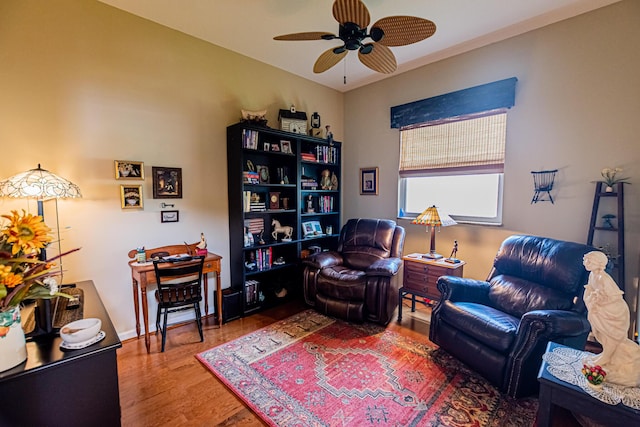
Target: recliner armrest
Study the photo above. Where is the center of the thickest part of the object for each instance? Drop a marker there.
(557, 323)
(460, 289)
(385, 267)
(324, 259)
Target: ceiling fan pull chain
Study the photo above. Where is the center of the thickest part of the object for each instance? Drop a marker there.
(344, 77)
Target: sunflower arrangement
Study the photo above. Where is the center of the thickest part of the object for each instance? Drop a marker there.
(22, 274)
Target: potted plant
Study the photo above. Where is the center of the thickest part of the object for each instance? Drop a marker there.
(611, 179)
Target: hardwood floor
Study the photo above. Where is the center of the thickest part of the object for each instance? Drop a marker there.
(174, 388)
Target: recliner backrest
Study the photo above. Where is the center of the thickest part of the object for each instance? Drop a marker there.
(537, 273)
(364, 241)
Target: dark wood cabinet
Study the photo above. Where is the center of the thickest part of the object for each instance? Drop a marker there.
(56, 387)
(283, 198)
(421, 277)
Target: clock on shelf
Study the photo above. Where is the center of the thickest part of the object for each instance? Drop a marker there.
(295, 121)
(274, 200)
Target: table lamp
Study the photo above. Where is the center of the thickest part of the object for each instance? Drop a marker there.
(431, 217)
(41, 185)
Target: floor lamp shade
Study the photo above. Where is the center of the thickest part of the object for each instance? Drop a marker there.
(432, 218)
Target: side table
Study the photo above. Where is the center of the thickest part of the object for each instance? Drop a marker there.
(555, 392)
(421, 277)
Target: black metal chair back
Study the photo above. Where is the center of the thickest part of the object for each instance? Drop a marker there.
(179, 288)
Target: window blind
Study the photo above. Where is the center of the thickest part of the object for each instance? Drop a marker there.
(454, 147)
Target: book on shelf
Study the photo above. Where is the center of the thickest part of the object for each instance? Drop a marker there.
(251, 290)
(326, 154)
(250, 139)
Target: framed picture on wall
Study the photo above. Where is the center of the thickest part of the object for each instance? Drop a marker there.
(169, 216)
(127, 169)
(369, 181)
(131, 197)
(167, 182)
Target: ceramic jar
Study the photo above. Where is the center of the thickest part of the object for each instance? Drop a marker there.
(13, 349)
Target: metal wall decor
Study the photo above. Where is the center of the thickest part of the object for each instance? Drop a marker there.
(543, 183)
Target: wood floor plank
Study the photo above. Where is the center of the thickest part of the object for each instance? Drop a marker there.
(174, 388)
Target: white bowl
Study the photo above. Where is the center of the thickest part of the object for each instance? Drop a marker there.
(81, 330)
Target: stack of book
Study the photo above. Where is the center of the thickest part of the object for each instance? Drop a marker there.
(250, 177)
(308, 157)
(251, 202)
(308, 183)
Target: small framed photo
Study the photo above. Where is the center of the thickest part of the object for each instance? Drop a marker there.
(169, 216)
(311, 228)
(265, 146)
(369, 181)
(167, 183)
(275, 146)
(127, 169)
(285, 147)
(131, 197)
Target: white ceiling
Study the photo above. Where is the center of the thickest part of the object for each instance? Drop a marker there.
(248, 27)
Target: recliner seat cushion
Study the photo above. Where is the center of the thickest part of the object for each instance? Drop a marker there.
(491, 327)
(342, 283)
(518, 296)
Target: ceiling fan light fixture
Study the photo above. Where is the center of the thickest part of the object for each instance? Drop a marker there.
(366, 48)
(376, 34)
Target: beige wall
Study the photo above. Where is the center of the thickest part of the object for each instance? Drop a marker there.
(83, 84)
(577, 109)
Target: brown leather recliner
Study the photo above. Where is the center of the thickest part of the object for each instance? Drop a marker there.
(500, 327)
(360, 280)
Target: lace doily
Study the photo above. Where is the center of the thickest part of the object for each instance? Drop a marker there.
(566, 363)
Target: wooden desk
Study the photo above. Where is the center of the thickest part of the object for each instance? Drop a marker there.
(56, 387)
(143, 273)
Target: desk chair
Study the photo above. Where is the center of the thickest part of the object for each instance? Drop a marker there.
(179, 288)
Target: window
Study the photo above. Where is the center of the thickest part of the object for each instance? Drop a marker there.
(456, 164)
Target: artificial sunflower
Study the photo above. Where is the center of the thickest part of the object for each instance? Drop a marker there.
(27, 233)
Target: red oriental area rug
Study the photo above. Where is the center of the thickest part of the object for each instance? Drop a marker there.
(312, 370)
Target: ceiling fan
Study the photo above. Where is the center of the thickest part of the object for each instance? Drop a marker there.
(353, 17)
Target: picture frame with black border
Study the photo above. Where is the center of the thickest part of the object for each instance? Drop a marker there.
(266, 146)
(169, 216)
(167, 182)
(369, 181)
(131, 197)
(128, 169)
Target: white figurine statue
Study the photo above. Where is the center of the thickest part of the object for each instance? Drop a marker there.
(609, 318)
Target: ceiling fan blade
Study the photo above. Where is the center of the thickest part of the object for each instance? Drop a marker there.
(403, 30)
(380, 59)
(327, 60)
(312, 35)
(351, 11)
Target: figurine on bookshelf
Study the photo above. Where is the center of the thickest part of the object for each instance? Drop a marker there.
(248, 238)
(310, 208)
(329, 134)
(278, 229)
(325, 180)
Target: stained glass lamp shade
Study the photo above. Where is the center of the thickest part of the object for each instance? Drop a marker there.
(433, 218)
(40, 184)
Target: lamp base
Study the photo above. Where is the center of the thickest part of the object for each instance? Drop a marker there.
(432, 255)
